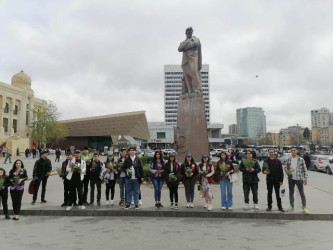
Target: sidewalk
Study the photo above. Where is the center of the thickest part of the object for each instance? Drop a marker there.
(319, 194)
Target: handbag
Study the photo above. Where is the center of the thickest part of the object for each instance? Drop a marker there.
(32, 186)
(282, 191)
(233, 177)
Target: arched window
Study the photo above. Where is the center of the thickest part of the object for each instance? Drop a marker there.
(15, 111)
(6, 109)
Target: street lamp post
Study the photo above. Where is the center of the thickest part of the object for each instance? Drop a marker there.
(297, 135)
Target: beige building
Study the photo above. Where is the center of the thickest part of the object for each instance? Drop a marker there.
(17, 104)
(323, 136)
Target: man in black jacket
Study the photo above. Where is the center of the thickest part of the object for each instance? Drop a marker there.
(134, 175)
(95, 168)
(274, 178)
(42, 170)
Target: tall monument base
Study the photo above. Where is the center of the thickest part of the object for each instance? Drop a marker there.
(191, 131)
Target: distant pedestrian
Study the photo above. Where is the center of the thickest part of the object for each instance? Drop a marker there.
(307, 160)
(206, 172)
(297, 176)
(157, 176)
(189, 173)
(224, 169)
(272, 168)
(42, 170)
(250, 168)
(26, 152)
(110, 174)
(8, 155)
(172, 176)
(4, 183)
(58, 154)
(17, 176)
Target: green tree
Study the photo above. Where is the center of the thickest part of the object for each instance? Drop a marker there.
(45, 128)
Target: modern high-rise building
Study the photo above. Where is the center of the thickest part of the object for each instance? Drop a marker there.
(172, 89)
(321, 118)
(251, 122)
(232, 129)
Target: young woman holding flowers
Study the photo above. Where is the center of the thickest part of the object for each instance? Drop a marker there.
(4, 183)
(224, 169)
(189, 172)
(17, 176)
(110, 174)
(250, 169)
(172, 175)
(157, 177)
(206, 172)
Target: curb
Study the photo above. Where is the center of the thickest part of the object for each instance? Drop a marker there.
(177, 214)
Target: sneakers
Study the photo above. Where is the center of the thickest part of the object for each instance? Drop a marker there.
(176, 206)
(290, 209)
(7, 217)
(43, 201)
(127, 207)
(33, 202)
(98, 203)
(269, 209)
(206, 205)
(157, 205)
(246, 206)
(82, 207)
(69, 208)
(121, 203)
(223, 208)
(137, 207)
(281, 209)
(256, 207)
(107, 203)
(229, 208)
(191, 205)
(160, 205)
(305, 210)
(64, 204)
(132, 203)
(187, 205)
(140, 202)
(171, 206)
(112, 203)
(210, 207)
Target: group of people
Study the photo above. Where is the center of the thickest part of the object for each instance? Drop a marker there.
(84, 170)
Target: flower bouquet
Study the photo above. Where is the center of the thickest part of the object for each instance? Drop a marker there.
(76, 166)
(110, 166)
(59, 171)
(223, 168)
(265, 167)
(93, 166)
(248, 163)
(188, 170)
(204, 172)
(172, 176)
(289, 170)
(119, 165)
(16, 180)
(129, 172)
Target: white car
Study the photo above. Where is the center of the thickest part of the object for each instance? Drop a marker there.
(168, 151)
(283, 158)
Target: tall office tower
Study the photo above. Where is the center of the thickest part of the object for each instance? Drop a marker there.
(172, 89)
(251, 122)
(232, 129)
(321, 118)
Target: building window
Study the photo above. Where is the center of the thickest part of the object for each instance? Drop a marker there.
(15, 125)
(15, 111)
(6, 109)
(160, 135)
(5, 124)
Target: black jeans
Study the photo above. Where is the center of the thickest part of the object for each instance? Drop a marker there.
(110, 186)
(44, 182)
(16, 200)
(66, 190)
(173, 192)
(4, 199)
(75, 191)
(246, 190)
(299, 184)
(98, 184)
(86, 180)
(189, 189)
(270, 184)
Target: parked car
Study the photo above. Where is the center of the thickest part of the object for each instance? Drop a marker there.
(284, 157)
(262, 156)
(148, 152)
(322, 163)
(216, 152)
(166, 151)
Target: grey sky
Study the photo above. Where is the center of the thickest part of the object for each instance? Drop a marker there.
(103, 57)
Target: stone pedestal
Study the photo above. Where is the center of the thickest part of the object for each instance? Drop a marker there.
(191, 131)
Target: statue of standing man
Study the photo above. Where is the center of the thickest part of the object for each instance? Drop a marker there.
(191, 63)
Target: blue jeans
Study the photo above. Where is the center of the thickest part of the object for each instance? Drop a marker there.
(132, 189)
(122, 189)
(158, 184)
(226, 190)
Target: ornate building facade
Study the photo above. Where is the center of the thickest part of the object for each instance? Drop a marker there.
(17, 102)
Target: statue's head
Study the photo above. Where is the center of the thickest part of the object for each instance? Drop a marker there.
(189, 32)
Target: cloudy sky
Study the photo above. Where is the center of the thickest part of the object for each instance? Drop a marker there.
(97, 57)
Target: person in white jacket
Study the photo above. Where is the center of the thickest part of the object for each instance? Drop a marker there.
(76, 171)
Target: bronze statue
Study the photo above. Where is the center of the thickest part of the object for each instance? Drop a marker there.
(191, 63)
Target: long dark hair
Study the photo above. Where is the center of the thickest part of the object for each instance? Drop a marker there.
(174, 161)
(226, 156)
(107, 159)
(192, 161)
(14, 165)
(161, 156)
(4, 172)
